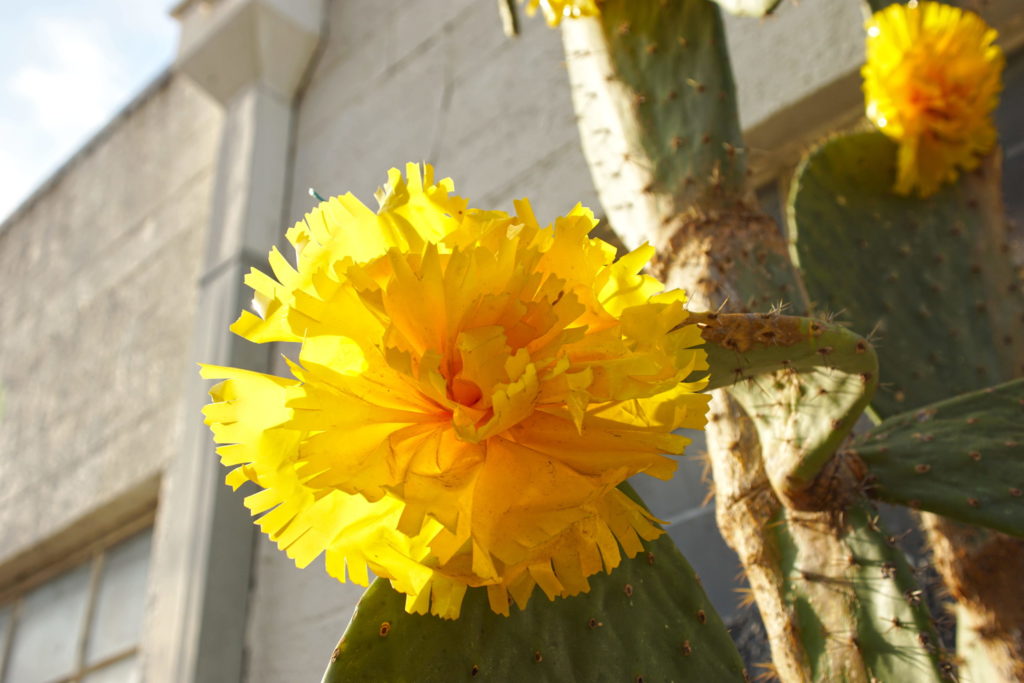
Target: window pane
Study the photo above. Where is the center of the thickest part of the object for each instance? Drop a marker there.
(122, 671)
(121, 599)
(48, 628)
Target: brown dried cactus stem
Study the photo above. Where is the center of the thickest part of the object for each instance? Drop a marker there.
(731, 257)
(982, 568)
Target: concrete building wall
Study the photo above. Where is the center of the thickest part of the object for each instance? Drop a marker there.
(98, 274)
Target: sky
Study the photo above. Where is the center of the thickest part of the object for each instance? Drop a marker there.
(66, 68)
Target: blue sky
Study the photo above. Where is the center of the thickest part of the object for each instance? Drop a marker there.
(66, 67)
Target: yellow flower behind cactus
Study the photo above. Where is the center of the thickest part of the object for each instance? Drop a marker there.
(556, 10)
(931, 80)
(470, 390)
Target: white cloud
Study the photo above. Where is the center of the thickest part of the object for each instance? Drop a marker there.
(70, 90)
(66, 68)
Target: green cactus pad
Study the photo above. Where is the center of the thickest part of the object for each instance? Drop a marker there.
(962, 458)
(828, 376)
(657, 104)
(649, 620)
(895, 632)
(933, 275)
(859, 613)
(673, 57)
(741, 346)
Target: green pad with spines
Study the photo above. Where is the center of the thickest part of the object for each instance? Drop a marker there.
(856, 603)
(932, 274)
(935, 273)
(673, 58)
(649, 620)
(962, 458)
(803, 413)
(882, 619)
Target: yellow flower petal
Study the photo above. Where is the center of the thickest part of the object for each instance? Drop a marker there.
(470, 390)
(555, 10)
(931, 81)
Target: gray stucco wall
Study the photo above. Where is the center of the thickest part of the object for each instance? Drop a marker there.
(98, 275)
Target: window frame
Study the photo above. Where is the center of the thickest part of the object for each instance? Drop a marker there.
(93, 554)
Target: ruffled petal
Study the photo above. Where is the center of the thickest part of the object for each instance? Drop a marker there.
(470, 389)
(931, 82)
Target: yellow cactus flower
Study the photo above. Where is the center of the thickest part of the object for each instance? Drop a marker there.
(556, 10)
(470, 390)
(931, 80)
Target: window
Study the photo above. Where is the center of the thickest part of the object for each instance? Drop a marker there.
(82, 625)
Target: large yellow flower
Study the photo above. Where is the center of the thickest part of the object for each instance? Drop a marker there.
(931, 81)
(556, 10)
(470, 390)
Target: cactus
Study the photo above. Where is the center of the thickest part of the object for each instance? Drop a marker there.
(649, 620)
(653, 88)
(688, 201)
(959, 458)
(656, 104)
(828, 375)
(950, 327)
(879, 629)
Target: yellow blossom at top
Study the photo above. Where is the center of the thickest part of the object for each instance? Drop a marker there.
(556, 10)
(470, 390)
(931, 80)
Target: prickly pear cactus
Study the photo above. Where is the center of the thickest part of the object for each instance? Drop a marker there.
(933, 277)
(656, 104)
(649, 620)
(865, 619)
(649, 79)
(961, 458)
(837, 568)
(825, 375)
(652, 85)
